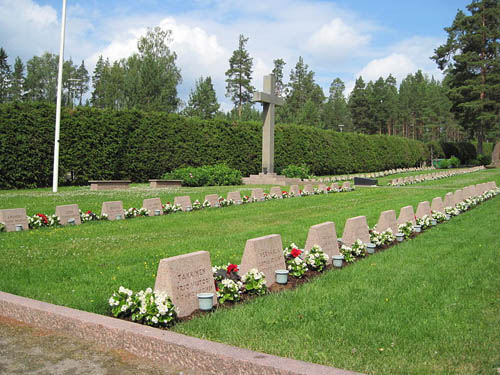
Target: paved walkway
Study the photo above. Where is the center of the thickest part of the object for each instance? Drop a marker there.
(27, 350)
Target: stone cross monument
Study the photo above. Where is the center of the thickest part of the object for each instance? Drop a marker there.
(268, 100)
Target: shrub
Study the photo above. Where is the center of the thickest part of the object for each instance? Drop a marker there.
(464, 151)
(211, 175)
(484, 159)
(454, 162)
(444, 164)
(296, 171)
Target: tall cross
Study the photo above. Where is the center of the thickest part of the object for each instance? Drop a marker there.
(268, 100)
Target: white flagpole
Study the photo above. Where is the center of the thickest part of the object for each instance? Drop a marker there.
(58, 107)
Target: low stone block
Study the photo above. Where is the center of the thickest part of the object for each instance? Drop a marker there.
(68, 214)
(356, 228)
(15, 219)
(235, 196)
(266, 255)
(423, 209)
(449, 201)
(437, 205)
(406, 214)
(257, 194)
(325, 236)
(295, 190)
(276, 190)
(185, 202)
(387, 220)
(213, 199)
(308, 188)
(114, 210)
(153, 205)
(183, 277)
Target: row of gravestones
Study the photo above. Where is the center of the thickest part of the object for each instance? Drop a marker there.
(433, 176)
(16, 219)
(184, 276)
(374, 174)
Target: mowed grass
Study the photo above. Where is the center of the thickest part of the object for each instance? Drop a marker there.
(431, 304)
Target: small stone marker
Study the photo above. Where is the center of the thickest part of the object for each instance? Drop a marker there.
(183, 277)
(406, 214)
(295, 190)
(457, 197)
(356, 228)
(235, 196)
(257, 194)
(153, 205)
(113, 209)
(276, 190)
(325, 236)
(449, 201)
(437, 205)
(68, 214)
(14, 219)
(387, 220)
(184, 202)
(423, 209)
(266, 255)
(322, 188)
(346, 185)
(308, 188)
(335, 186)
(213, 199)
(467, 192)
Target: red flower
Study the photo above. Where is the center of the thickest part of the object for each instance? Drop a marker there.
(328, 188)
(89, 212)
(296, 252)
(44, 218)
(232, 268)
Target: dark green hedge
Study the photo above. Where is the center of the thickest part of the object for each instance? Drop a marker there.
(464, 151)
(105, 144)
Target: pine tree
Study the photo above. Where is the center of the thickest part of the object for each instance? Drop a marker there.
(82, 85)
(5, 76)
(335, 111)
(471, 60)
(359, 106)
(239, 76)
(279, 64)
(17, 86)
(202, 100)
(98, 83)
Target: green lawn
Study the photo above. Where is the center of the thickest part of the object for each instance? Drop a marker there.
(432, 303)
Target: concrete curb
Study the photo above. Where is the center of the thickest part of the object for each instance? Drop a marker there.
(168, 347)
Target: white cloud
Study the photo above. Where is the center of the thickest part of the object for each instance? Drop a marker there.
(337, 41)
(397, 64)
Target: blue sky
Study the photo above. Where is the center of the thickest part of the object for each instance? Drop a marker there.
(336, 38)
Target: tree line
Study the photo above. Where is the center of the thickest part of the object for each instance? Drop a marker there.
(464, 106)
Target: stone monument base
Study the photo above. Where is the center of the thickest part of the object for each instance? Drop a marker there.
(271, 179)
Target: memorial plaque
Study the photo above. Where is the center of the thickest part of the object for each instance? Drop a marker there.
(154, 206)
(335, 186)
(325, 236)
(68, 214)
(266, 255)
(437, 205)
(257, 194)
(356, 228)
(423, 209)
(387, 220)
(183, 277)
(323, 188)
(114, 210)
(295, 190)
(235, 196)
(213, 199)
(365, 181)
(184, 202)
(457, 197)
(406, 214)
(277, 191)
(14, 219)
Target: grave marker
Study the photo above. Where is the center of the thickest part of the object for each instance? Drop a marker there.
(266, 255)
(276, 190)
(322, 188)
(423, 209)
(257, 194)
(68, 214)
(449, 201)
(184, 202)
(346, 186)
(183, 277)
(387, 220)
(213, 199)
(113, 209)
(325, 236)
(14, 218)
(457, 197)
(406, 214)
(334, 186)
(356, 228)
(295, 190)
(308, 188)
(153, 205)
(437, 205)
(235, 196)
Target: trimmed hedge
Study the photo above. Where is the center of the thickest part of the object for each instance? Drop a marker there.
(464, 151)
(106, 144)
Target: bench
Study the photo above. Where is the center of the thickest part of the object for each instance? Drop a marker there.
(109, 184)
(156, 184)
